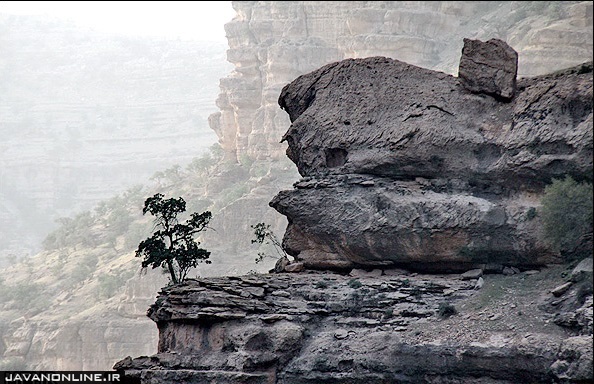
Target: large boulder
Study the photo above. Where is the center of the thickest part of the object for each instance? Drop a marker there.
(489, 67)
(403, 166)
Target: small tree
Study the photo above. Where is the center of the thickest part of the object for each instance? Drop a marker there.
(264, 235)
(172, 246)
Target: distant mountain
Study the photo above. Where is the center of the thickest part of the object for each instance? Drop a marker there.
(84, 115)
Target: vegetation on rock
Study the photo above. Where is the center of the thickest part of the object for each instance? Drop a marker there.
(264, 235)
(172, 245)
(567, 214)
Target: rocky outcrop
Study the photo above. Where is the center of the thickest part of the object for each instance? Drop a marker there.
(404, 166)
(271, 43)
(328, 328)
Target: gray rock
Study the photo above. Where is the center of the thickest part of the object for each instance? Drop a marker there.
(452, 218)
(341, 334)
(510, 271)
(473, 274)
(363, 273)
(281, 264)
(295, 267)
(579, 319)
(582, 270)
(489, 67)
(479, 283)
(574, 362)
(326, 331)
(560, 290)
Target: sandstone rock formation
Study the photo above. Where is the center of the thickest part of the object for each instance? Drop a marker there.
(404, 166)
(328, 328)
(449, 190)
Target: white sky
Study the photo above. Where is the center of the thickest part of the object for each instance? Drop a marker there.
(199, 20)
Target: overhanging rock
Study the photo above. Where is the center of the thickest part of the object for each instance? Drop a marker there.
(404, 167)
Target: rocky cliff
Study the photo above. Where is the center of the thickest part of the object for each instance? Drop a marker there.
(438, 176)
(273, 42)
(405, 167)
(367, 327)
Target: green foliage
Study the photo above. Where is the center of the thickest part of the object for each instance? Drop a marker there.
(567, 214)
(354, 283)
(259, 169)
(112, 283)
(264, 235)
(446, 310)
(170, 176)
(109, 220)
(172, 245)
(205, 162)
(321, 284)
(84, 269)
(24, 295)
(531, 214)
(246, 160)
(232, 194)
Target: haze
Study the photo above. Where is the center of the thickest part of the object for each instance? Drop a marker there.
(95, 98)
(200, 20)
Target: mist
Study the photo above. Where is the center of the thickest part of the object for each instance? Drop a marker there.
(97, 97)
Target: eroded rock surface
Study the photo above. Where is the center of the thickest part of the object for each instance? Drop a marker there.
(327, 328)
(404, 166)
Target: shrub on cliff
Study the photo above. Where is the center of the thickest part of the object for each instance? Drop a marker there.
(264, 235)
(567, 214)
(172, 246)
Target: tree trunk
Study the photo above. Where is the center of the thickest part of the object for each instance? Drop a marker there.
(172, 272)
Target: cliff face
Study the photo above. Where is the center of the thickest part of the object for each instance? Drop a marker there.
(368, 327)
(404, 166)
(411, 167)
(272, 43)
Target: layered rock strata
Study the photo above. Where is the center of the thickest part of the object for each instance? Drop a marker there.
(405, 166)
(328, 328)
(273, 42)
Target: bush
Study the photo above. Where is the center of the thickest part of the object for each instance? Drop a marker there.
(112, 283)
(567, 214)
(354, 283)
(446, 310)
(264, 235)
